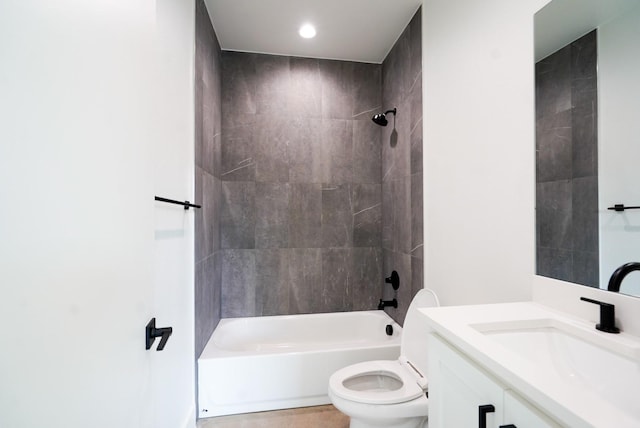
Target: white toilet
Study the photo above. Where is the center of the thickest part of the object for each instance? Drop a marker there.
(390, 394)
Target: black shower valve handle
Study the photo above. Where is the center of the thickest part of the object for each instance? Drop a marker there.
(394, 280)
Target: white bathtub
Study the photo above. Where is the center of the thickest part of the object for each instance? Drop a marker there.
(279, 362)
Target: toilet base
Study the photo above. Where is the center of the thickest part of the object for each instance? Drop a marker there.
(389, 423)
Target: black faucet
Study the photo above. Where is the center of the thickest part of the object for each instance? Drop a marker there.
(384, 303)
(394, 280)
(607, 316)
(620, 273)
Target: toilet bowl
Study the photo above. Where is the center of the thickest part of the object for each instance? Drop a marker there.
(389, 393)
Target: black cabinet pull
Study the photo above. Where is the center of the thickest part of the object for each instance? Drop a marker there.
(482, 414)
(151, 332)
(508, 426)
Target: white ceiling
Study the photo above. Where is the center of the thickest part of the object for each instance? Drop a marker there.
(563, 21)
(351, 30)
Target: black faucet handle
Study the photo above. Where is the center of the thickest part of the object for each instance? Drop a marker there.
(394, 280)
(607, 316)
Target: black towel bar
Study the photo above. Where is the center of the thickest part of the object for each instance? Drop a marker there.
(621, 207)
(185, 204)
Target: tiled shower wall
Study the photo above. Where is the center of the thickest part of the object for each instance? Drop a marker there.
(402, 215)
(301, 212)
(293, 178)
(208, 127)
(567, 163)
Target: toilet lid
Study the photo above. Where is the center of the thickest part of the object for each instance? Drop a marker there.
(407, 390)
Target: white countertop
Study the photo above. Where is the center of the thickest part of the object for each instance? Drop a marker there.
(572, 406)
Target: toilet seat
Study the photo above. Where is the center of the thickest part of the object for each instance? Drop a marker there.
(409, 389)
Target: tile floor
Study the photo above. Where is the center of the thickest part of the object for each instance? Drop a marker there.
(305, 417)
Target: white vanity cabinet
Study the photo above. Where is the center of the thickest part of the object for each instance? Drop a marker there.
(458, 390)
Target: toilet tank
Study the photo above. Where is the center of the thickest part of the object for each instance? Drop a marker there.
(413, 345)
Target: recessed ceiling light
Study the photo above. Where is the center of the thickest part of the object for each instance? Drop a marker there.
(307, 31)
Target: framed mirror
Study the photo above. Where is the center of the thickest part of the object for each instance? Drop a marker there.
(588, 140)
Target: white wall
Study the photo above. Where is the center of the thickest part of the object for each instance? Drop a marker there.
(479, 161)
(479, 149)
(91, 104)
(619, 151)
(173, 370)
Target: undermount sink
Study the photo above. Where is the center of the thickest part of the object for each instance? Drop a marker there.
(607, 365)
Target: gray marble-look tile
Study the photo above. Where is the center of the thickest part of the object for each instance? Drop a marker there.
(585, 139)
(417, 275)
(208, 191)
(199, 244)
(307, 162)
(208, 233)
(554, 147)
(305, 215)
(238, 215)
(337, 218)
(272, 215)
(201, 317)
(273, 76)
(388, 214)
(305, 94)
(238, 147)
(417, 216)
(554, 263)
(367, 152)
(391, 79)
(272, 282)
(367, 279)
(207, 301)
(396, 71)
(336, 277)
(208, 138)
(217, 213)
(217, 155)
(584, 56)
(240, 83)
(203, 26)
(553, 83)
(586, 269)
(238, 283)
(337, 145)
(585, 214)
(367, 93)
(584, 93)
(404, 64)
(305, 280)
(367, 215)
(416, 148)
(402, 218)
(415, 104)
(217, 287)
(415, 43)
(336, 79)
(198, 121)
(554, 216)
(271, 152)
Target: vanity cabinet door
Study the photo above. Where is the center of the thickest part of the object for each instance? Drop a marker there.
(457, 389)
(521, 414)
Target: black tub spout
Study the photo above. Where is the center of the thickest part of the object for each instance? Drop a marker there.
(384, 303)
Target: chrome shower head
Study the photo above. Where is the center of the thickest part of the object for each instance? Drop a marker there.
(381, 118)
